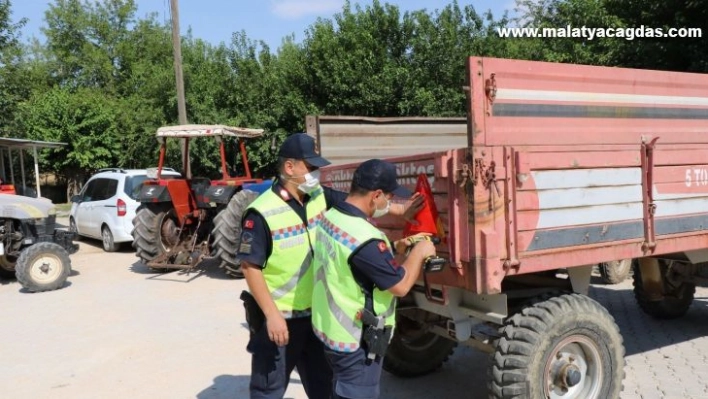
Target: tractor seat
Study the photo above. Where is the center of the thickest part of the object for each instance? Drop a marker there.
(199, 185)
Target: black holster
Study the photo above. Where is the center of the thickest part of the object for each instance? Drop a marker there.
(254, 315)
(376, 341)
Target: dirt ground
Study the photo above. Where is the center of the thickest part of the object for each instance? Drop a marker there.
(119, 330)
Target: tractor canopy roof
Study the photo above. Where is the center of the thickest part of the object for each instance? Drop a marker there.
(207, 131)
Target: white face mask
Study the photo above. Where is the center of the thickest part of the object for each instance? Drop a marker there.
(312, 182)
(381, 212)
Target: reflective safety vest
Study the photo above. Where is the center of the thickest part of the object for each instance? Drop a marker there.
(337, 298)
(288, 271)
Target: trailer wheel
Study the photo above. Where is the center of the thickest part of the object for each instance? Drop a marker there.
(616, 271)
(44, 266)
(414, 350)
(155, 232)
(227, 232)
(678, 295)
(564, 347)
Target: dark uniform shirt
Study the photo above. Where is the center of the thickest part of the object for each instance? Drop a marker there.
(256, 241)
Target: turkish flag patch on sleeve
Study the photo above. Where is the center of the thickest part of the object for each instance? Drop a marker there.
(248, 224)
(383, 247)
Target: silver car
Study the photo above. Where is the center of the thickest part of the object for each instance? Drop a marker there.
(107, 204)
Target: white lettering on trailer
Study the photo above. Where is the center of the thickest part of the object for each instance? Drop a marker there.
(407, 172)
(696, 177)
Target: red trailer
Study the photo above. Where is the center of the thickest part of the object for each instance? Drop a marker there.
(564, 167)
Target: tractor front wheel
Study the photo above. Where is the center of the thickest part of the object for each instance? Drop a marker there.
(44, 266)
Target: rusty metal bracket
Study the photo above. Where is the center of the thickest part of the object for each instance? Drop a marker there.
(430, 296)
(649, 244)
(490, 89)
(490, 178)
(487, 176)
(464, 176)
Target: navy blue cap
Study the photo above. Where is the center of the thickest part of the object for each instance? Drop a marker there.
(302, 146)
(376, 174)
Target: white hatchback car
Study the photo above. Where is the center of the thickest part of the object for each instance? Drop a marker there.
(107, 204)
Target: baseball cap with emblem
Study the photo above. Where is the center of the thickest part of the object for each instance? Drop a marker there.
(302, 146)
(376, 174)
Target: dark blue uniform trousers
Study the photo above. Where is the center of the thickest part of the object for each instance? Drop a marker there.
(271, 365)
(355, 376)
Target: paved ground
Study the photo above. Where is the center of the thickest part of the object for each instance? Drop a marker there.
(120, 331)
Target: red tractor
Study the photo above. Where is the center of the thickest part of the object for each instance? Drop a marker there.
(183, 220)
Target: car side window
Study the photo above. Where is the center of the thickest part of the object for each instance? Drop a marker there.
(111, 188)
(88, 191)
(104, 189)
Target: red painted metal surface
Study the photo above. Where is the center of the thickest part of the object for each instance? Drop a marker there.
(566, 166)
(7, 189)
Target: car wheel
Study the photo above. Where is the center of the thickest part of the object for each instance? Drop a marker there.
(73, 228)
(107, 238)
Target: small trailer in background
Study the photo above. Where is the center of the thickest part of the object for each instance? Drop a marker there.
(564, 167)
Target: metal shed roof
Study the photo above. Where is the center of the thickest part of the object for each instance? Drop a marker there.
(207, 130)
(28, 144)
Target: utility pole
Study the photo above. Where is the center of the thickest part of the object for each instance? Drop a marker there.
(181, 105)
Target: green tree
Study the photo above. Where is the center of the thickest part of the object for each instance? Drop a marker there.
(11, 52)
(357, 63)
(441, 42)
(576, 14)
(86, 119)
(675, 54)
(88, 41)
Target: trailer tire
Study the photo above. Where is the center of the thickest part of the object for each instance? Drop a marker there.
(677, 296)
(616, 271)
(44, 266)
(227, 232)
(149, 237)
(415, 351)
(569, 336)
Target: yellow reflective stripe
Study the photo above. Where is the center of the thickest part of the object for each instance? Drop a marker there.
(276, 211)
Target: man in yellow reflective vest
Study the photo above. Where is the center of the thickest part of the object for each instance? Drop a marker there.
(276, 250)
(357, 281)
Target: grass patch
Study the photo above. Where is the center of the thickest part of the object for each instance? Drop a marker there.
(63, 207)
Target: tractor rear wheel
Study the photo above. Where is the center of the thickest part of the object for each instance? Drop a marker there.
(227, 232)
(155, 231)
(616, 271)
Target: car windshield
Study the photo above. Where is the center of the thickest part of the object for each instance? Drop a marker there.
(133, 185)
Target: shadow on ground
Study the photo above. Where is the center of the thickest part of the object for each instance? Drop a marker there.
(232, 386)
(209, 267)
